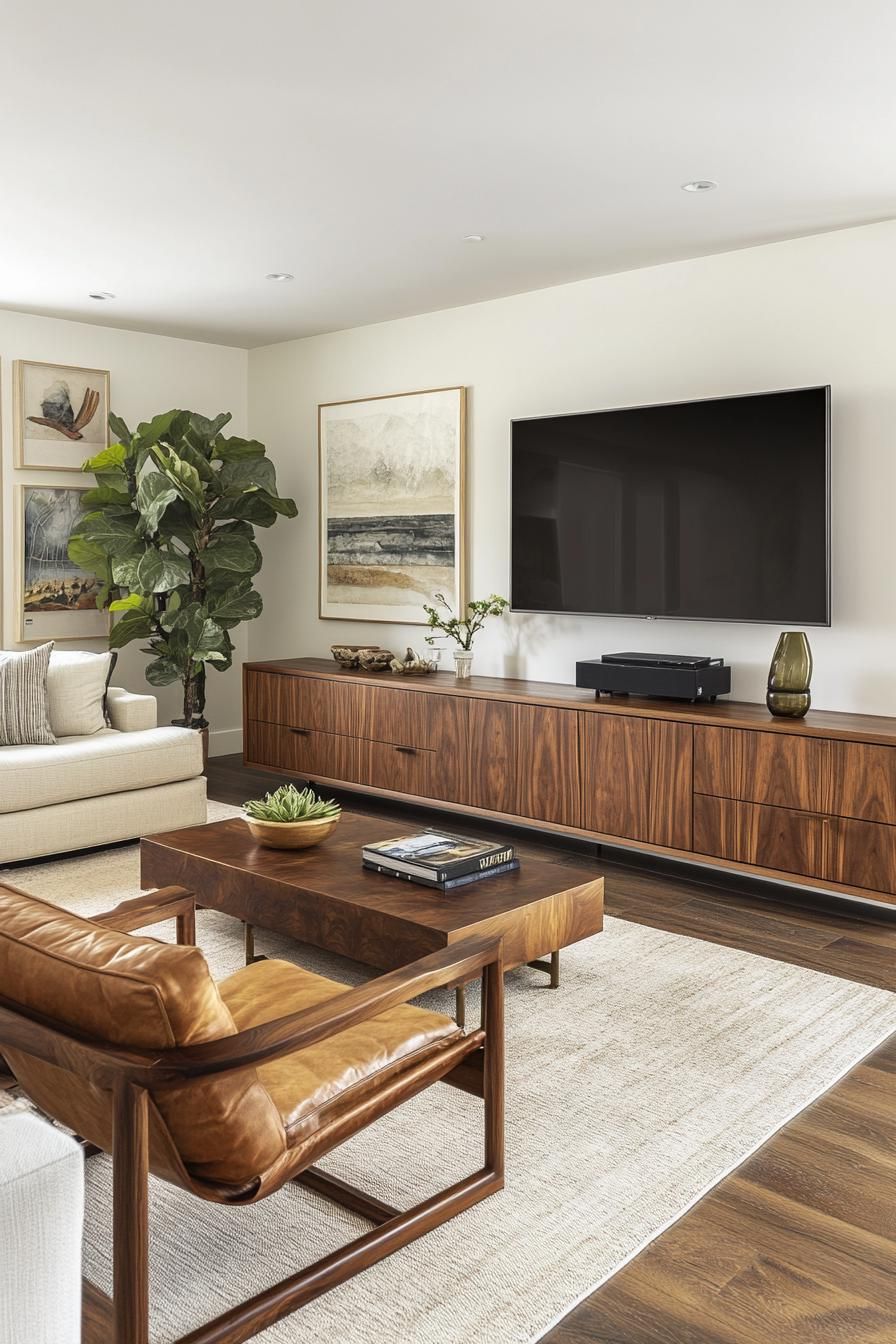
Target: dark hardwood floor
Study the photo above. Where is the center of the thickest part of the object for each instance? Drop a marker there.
(798, 1246)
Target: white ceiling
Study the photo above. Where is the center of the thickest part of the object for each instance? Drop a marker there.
(174, 153)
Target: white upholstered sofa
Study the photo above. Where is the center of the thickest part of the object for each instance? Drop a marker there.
(128, 780)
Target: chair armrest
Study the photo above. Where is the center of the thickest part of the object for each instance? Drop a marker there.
(131, 713)
(296, 1031)
(152, 908)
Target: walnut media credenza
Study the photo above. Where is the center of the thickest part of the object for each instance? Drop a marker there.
(809, 801)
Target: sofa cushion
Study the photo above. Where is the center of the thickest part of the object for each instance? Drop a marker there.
(76, 691)
(23, 698)
(89, 767)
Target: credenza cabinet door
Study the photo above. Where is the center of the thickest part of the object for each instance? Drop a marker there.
(547, 776)
(524, 761)
(492, 756)
(638, 778)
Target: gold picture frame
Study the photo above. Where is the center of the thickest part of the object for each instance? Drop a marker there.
(52, 596)
(60, 415)
(372, 474)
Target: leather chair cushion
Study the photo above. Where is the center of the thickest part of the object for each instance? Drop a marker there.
(303, 1084)
(133, 992)
(116, 987)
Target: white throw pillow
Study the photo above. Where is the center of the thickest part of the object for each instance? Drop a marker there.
(24, 711)
(76, 692)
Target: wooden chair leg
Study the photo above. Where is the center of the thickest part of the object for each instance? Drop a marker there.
(493, 1067)
(130, 1215)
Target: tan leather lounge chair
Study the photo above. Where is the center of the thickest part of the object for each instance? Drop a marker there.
(231, 1090)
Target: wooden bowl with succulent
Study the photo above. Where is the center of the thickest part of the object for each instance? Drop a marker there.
(292, 818)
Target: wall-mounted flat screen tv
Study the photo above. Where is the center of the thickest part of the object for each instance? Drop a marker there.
(712, 510)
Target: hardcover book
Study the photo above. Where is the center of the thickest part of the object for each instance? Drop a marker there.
(462, 881)
(436, 856)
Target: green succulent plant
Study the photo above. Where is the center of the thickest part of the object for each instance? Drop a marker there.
(169, 532)
(291, 804)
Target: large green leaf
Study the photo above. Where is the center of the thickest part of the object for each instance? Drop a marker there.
(151, 431)
(103, 496)
(112, 458)
(163, 672)
(197, 460)
(201, 432)
(237, 603)
(154, 493)
(232, 553)
(133, 602)
(252, 508)
(118, 427)
(233, 449)
(286, 507)
(124, 569)
(210, 646)
(185, 478)
(115, 535)
(157, 571)
(248, 473)
(133, 625)
(87, 555)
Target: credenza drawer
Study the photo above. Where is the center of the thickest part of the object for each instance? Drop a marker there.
(402, 717)
(386, 765)
(303, 751)
(305, 702)
(774, 768)
(863, 854)
(777, 838)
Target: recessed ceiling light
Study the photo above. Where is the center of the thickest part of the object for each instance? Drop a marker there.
(474, 238)
(101, 294)
(701, 184)
(279, 275)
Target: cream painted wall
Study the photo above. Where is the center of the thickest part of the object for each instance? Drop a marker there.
(814, 310)
(148, 374)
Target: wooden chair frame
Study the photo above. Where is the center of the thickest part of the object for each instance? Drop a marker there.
(476, 1061)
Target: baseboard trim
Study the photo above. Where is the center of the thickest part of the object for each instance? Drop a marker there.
(225, 741)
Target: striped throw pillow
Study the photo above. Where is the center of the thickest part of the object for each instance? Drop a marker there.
(23, 698)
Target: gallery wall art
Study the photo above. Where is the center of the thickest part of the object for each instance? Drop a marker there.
(56, 599)
(391, 505)
(61, 415)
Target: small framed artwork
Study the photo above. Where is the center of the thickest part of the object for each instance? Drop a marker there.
(56, 599)
(61, 415)
(392, 505)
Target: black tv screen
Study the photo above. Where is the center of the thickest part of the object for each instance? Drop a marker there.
(702, 510)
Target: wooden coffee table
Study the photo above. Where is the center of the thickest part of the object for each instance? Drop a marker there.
(324, 896)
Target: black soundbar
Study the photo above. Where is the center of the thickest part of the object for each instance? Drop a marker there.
(665, 676)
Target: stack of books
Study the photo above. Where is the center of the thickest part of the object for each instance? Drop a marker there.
(435, 859)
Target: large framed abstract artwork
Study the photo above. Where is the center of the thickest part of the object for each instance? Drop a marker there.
(61, 415)
(56, 599)
(391, 505)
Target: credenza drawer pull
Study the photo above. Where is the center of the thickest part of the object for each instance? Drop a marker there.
(302, 732)
(409, 751)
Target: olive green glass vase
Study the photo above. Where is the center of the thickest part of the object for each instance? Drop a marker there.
(789, 676)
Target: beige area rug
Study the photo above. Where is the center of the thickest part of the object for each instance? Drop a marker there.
(659, 1065)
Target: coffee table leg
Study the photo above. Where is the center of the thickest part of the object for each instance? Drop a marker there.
(551, 968)
(250, 944)
(460, 1005)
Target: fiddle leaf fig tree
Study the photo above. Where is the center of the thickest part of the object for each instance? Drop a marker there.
(169, 530)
